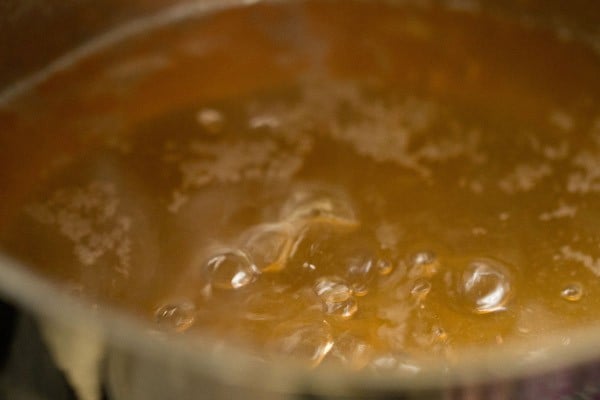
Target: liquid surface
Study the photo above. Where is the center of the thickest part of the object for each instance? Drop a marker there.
(349, 183)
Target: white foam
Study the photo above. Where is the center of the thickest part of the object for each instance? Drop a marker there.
(525, 177)
(201, 163)
(89, 218)
(587, 179)
(589, 262)
(211, 120)
(562, 211)
(562, 120)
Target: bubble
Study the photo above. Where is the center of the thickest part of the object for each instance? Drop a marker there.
(348, 255)
(269, 246)
(320, 205)
(305, 340)
(423, 264)
(322, 251)
(485, 286)
(332, 289)
(572, 292)
(420, 289)
(211, 120)
(230, 269)
(337, 297)
(384, 266)
(341, 310)
(361, 269)
(177, 316)
(354, 353)
(439, 334)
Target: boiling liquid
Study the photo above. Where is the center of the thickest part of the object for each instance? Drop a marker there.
(355, 183)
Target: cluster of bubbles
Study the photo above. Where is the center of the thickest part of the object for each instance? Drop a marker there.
(317, 275)
(269, 248)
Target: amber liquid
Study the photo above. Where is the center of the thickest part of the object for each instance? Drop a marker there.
(343, 182)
